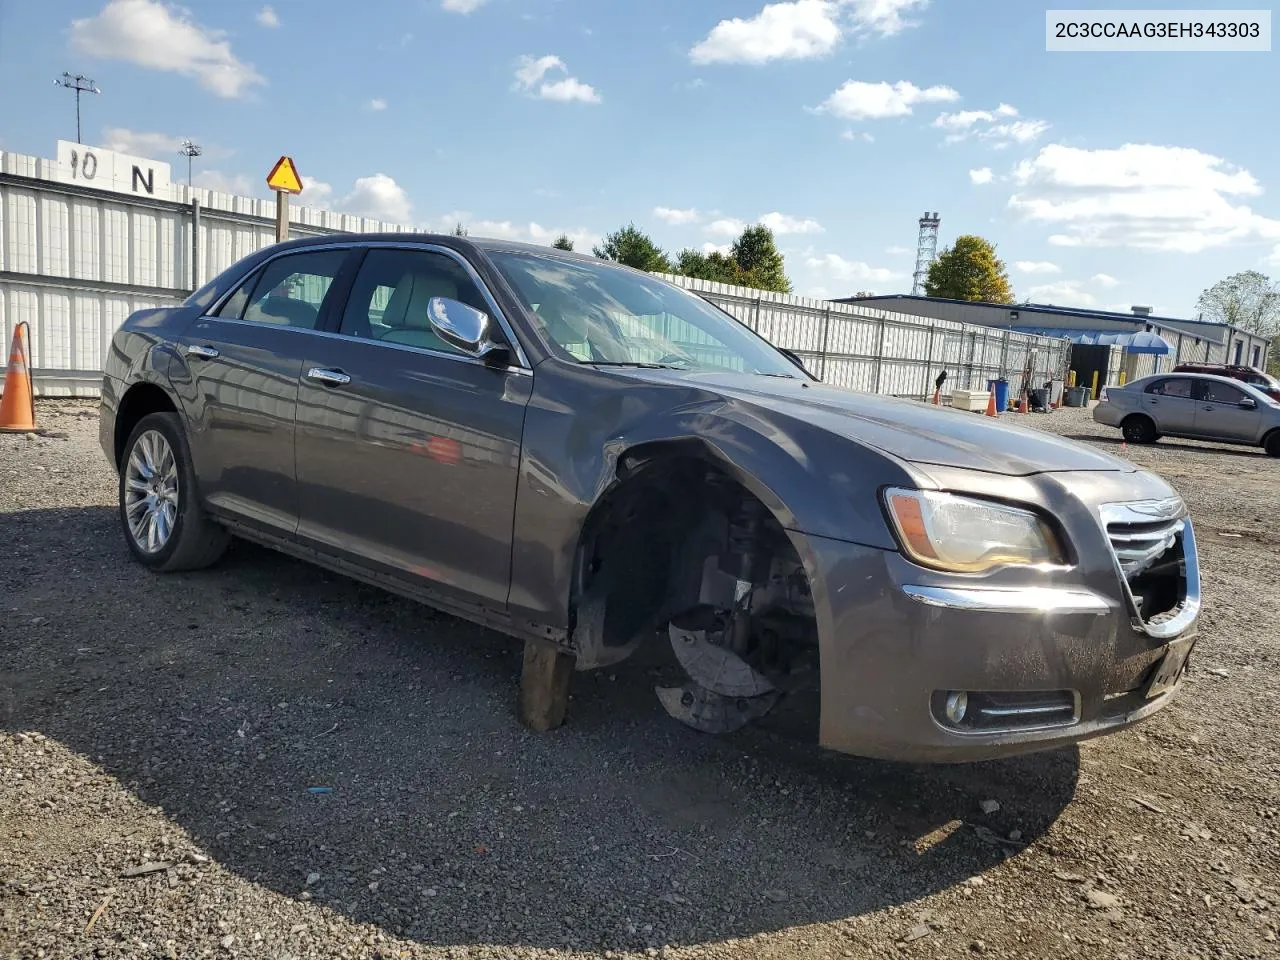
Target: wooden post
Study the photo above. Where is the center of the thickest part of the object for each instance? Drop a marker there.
(282, 216)
(544, 685)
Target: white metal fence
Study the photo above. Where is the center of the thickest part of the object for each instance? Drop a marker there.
(75, 261)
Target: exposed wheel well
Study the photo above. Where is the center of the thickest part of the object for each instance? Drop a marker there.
(677, 530)
(1271, 442)
(140, 400)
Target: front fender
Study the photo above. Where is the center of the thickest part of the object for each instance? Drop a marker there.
(813, 481)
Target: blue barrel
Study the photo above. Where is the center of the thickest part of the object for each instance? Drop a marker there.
(1001, 388)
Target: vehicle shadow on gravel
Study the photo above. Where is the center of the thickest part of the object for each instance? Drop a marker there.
(224, 697)
(1166, 444)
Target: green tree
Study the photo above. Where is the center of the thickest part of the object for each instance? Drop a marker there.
(714, 266)
(753, 261)
(1248, 300)
(563, 242)
(969, 270)
(459, 230)
(633, 248)
(760, 260)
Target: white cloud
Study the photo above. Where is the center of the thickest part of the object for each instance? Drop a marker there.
(884, 17)
(1104, 280)
(1062, 293)
(993, 125)
(726, 227)
(268, 17)
(237, 184)
(378, 197)
(1037, 266)
(676, 217)
(140, 144)
(859, 100)
(1140, 196)
(981, 175)
(781, 31)
(569, 89)
(316, 193)
(833, 267)
(800, 29)
(782, 224)
(531, 78)
(158, 37)
(897, 251)
(532, 232)
(863, 136)
(377, 104)
(462, 6)
(722, 248)
(963, 119)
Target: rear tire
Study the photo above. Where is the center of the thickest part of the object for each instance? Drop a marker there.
(1272, 444)
(1139, 429)
(164, 526)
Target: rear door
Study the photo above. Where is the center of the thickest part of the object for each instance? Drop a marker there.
(1219, 414)
(240, 386)
(408, 450)
(1171, 404)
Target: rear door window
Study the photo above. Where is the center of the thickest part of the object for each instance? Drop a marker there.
(289, 291)
(1175, 387)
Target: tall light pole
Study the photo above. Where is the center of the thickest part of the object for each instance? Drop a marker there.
(190, 151)
(80, 84)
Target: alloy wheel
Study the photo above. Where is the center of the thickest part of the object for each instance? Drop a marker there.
(151, 492)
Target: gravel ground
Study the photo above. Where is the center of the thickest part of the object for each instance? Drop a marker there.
(162, 740)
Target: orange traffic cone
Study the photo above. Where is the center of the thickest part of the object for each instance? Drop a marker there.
(1022, 404)
(991, 404)
(18, 405)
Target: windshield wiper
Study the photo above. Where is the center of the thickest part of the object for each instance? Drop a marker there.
(634, 363)
(784, 376)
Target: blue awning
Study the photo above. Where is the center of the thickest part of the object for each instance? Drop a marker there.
(1142, 341)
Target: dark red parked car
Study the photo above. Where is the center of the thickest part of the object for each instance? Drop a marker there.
(1251, 375)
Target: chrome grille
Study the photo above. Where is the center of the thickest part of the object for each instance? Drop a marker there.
(1138, 545)
(1155, 553)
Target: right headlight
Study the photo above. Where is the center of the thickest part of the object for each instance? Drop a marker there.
(967, 535)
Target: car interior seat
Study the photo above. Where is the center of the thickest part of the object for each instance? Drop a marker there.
(406, 311)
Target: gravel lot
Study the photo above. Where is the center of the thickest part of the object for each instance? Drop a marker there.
(179, 725)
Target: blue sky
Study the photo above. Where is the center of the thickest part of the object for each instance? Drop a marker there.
(1104, 179)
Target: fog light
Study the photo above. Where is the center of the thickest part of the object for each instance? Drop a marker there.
(956, 705)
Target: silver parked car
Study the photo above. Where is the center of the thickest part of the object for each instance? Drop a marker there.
(1195, 406)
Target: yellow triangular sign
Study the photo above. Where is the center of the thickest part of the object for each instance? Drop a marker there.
(284, 176)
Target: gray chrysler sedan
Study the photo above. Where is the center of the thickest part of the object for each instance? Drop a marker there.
(591, 459)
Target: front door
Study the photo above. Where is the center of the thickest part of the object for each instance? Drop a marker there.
(408, 451)
(1219, 414)
(239, 384)
(1171, 404)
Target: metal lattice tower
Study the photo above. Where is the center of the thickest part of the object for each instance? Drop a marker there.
(926, 251)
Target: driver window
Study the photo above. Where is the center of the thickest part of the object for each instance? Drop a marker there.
(1221, 392)
(388, 300)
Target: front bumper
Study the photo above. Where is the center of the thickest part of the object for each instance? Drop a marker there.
(896, 639)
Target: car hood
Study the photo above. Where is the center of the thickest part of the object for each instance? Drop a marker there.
(907, 429)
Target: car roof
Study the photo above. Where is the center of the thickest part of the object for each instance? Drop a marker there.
(1192, 375)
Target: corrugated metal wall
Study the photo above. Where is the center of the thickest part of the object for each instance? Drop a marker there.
(76, 261)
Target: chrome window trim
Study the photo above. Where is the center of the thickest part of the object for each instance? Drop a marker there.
(425, 351)
(1037, 600)
(1148, 511)
(523, 363)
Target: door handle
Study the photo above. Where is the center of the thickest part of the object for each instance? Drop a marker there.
(202, 351)
(331, 378)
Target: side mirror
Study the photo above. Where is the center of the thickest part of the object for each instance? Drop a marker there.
(1248, 403)
(462, 327)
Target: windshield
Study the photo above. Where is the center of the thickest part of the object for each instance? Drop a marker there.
(594, 313)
